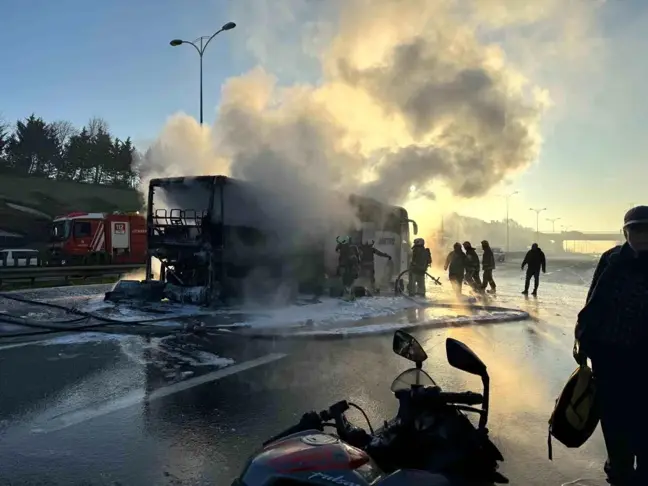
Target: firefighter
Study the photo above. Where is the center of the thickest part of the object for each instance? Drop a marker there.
(421, 260)
(367, 264)
(348, 265)
(456, 266)
(472, 267)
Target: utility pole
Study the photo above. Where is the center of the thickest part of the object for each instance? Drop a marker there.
(508, 197)
(204, 42)
(537, 211)
(553, 223)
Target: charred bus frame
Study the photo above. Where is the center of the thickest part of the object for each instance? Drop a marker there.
(208, 231)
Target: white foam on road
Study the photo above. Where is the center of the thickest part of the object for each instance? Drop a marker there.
(126, 313)
(65, 420)
(327, 311)
(382, 328)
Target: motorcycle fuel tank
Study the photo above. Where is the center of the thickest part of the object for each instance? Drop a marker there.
(312, 458)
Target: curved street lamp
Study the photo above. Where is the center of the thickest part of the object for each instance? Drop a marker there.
(553, 223)
(537, 211)
(200, 45)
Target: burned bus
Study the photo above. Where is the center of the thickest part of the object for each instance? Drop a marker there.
(218, 238)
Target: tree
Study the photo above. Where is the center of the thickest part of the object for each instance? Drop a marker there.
(101, 154)
(59, 150)
(33, 148)
(124, 163)
(96, 125)
(4, 139)
(64, 130)
(77, 156)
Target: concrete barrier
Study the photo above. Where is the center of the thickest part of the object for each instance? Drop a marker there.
(11, 274)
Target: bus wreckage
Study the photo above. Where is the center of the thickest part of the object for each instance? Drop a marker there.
(215, 240)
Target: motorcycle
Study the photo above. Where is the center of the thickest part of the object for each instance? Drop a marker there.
(431, 441)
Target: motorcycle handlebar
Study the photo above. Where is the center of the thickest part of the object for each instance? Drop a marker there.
(433, 396)
(463, 398)
(310, 420)
(313, 421)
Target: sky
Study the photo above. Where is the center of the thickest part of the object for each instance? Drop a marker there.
(74, 59)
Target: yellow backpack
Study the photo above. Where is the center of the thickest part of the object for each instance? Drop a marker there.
(576, 415)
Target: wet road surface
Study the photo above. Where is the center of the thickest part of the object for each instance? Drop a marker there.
(108, 410)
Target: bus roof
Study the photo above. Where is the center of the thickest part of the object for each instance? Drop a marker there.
(354, 199)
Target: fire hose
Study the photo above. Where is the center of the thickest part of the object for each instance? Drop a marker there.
(399, 286)
(63, 325)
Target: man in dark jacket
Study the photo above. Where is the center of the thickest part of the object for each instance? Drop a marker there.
(612, 330)
(534, 261)
(488, 265)
(472, 267)
(456, 266)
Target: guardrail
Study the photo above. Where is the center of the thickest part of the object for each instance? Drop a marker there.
(64, 273)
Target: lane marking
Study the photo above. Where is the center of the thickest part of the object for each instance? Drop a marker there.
(20, 345)
(75, 417)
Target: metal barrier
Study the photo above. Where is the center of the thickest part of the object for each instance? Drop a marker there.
(65, 273)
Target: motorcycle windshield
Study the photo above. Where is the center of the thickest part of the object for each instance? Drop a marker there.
(410, 377)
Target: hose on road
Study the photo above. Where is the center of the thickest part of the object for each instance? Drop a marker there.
(63, 325)
(399, 285)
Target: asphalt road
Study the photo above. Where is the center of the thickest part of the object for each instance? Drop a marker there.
(135, 411)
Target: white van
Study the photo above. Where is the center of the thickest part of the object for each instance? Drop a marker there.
(19, 258)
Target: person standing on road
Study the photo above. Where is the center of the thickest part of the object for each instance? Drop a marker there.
(421, 261)
(488, 265)
(534, 261)
(612, 330)
(456, 266)
(348, 265)
(472, 267)
(367, 261)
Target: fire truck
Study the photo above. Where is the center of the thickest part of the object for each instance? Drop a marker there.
(97, 239)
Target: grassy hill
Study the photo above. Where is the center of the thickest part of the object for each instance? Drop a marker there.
(54, 198)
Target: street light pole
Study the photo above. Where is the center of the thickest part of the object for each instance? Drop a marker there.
(553, 223)
(537, 211)
(201, 50)
(507, 220)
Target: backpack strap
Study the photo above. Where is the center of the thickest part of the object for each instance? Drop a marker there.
(549, 445)
(549, 430)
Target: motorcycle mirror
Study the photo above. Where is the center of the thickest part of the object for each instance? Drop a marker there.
(409, 348)
(463, 358)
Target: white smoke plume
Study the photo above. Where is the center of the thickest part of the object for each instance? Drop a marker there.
(411, 94)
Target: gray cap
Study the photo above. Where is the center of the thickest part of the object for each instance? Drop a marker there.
(636, 215)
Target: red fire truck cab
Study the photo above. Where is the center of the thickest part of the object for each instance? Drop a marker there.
(97, 238)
